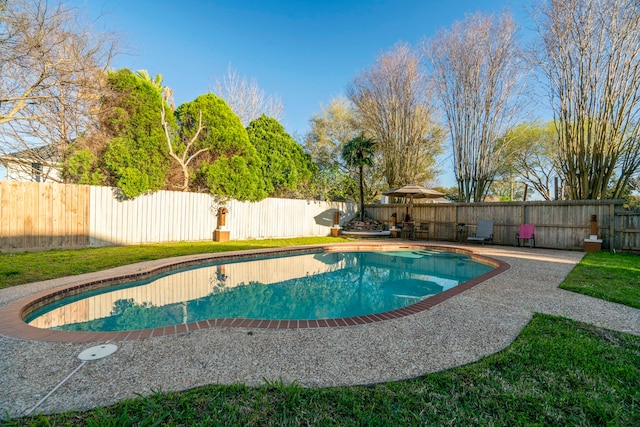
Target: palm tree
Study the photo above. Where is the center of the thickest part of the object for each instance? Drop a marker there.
(359, 153)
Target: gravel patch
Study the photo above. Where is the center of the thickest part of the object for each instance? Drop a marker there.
(481, 321)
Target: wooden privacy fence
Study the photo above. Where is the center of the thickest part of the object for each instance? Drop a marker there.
(627, 231)
(558, 224)
(41, 215)
(35, 215)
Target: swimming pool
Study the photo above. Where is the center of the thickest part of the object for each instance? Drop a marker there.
(13, 313)
(305, 286)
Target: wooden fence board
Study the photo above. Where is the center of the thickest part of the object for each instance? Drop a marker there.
(559, 224)
(46, 215)
(29, 206)
(627, 227)
(174, 216)
(17, 219)
(4, 215)
(36, 215)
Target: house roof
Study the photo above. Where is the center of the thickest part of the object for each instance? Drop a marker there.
(50, 154)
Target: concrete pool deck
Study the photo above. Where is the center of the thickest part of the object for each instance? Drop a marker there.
(480, 321)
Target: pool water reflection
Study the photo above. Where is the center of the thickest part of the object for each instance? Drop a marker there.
(320, 285)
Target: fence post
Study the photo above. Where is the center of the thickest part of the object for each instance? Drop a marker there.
(455, 225)
(612, 227)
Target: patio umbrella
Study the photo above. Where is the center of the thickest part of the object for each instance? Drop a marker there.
(413, 191)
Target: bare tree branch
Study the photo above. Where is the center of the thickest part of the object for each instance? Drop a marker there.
(186, 155)
(246, 99)
(590, 57)
(394, 106)
(51, 68)
(478, 73)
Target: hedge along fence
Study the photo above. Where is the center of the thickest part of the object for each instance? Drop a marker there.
(35, 216)
(559, 224)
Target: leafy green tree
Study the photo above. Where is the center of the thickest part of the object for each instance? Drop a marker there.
(233, 177)
(531, 156)
(136, 158)
(80, 169)
(631, 196)
(634, 183)
(359, 153)
(333, 184)
(137, 165)
(506, 190)
(129, 148)
(285, 166)
(231, 165)
(331, 130)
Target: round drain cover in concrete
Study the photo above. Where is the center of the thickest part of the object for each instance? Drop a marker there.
(98, 352)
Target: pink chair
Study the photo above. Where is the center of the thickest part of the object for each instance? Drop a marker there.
(527, 231)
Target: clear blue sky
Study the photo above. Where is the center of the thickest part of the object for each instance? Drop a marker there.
(306, 52)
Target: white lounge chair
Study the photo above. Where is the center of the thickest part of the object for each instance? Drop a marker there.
(484, 232)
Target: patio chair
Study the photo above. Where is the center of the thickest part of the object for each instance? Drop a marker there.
(527, 231)
(484, 232)
(408, 230)
(421, 230)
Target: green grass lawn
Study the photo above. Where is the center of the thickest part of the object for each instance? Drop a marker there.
(27, 267)
(608, 276)
(557, 372)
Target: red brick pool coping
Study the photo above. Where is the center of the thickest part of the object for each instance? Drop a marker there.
(11, 315)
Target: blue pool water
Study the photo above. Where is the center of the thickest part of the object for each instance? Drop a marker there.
(319, 285)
